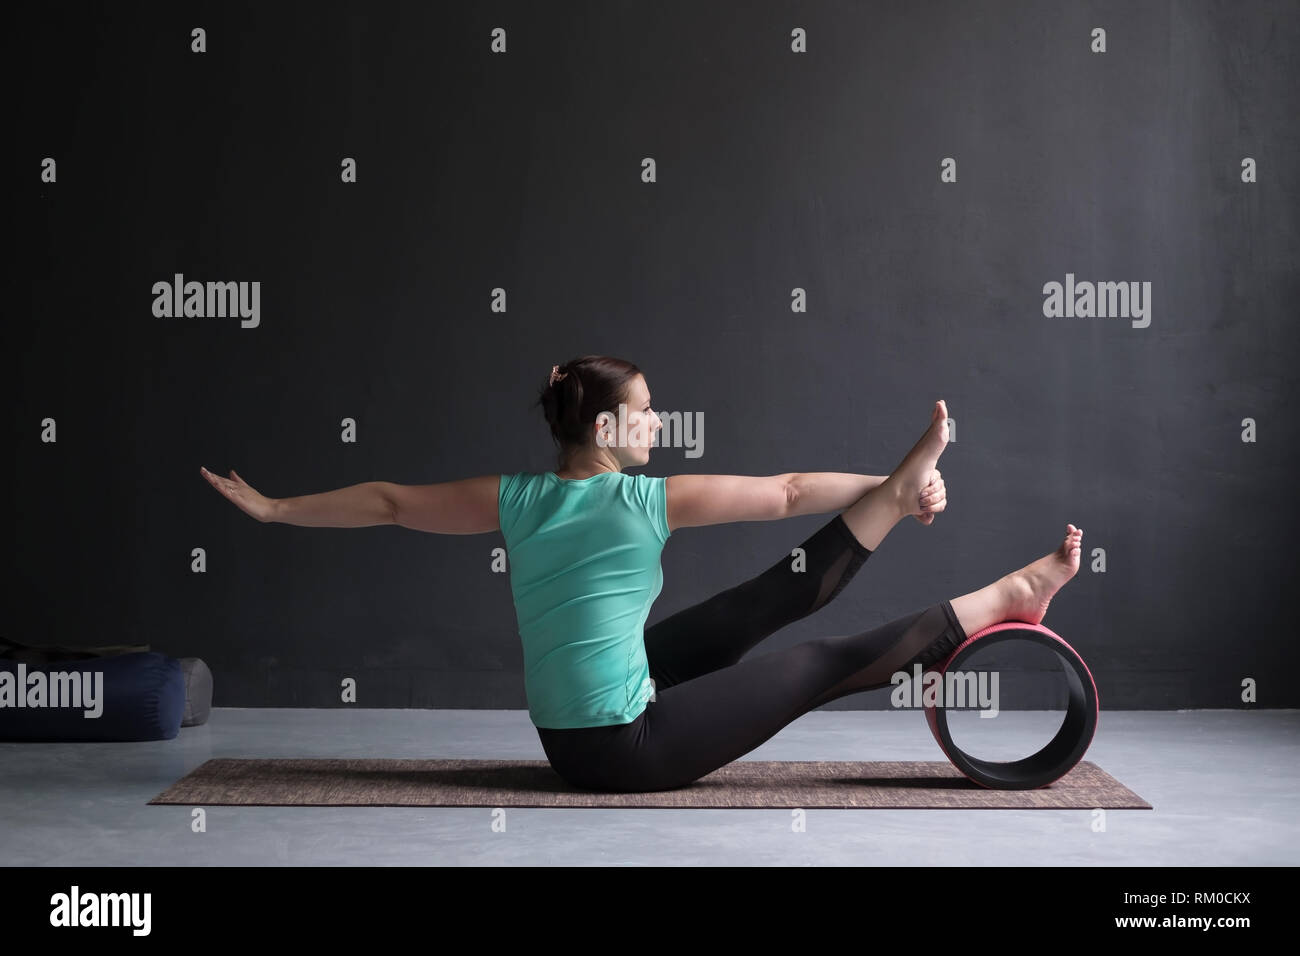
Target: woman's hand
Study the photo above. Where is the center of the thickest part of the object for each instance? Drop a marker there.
(244, 497)
(933, 499)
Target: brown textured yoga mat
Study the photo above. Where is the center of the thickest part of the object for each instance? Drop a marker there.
(743, 784)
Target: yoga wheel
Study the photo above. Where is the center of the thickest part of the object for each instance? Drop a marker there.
(1064, 750)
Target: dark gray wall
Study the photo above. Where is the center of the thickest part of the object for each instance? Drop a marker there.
(776, 170)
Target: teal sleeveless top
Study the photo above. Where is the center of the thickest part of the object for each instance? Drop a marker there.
(584, 569)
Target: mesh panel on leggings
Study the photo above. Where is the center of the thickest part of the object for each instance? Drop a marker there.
(927, 638)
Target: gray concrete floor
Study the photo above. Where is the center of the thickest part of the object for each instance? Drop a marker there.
(1224, 785)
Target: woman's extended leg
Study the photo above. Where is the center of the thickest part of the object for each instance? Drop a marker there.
(719, 631)
(705, 723)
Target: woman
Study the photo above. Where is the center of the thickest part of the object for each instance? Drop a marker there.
(617, 706)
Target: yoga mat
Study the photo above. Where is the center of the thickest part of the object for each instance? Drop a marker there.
(742, 784)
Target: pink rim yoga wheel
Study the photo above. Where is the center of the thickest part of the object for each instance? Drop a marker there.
(1064, 750)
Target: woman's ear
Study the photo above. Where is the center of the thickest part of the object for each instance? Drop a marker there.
(603, 436)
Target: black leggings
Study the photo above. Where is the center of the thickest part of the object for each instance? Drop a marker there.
(711, 707)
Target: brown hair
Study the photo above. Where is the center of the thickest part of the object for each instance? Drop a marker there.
(589, 385)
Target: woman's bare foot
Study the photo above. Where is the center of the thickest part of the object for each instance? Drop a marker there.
(1030, 590)
(872, 516)
(917, 467)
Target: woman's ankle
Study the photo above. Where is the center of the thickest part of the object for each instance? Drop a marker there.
(985, 607)
(874, 515)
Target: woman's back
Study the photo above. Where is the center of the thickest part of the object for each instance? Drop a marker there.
(584, 571)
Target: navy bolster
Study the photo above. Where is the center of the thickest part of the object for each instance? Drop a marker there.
(126, 697)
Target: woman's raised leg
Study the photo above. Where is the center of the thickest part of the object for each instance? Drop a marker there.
(720, 630)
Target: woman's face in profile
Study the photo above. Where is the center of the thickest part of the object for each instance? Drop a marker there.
(633, 438)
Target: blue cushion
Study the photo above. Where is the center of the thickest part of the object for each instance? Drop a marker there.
(139, 697)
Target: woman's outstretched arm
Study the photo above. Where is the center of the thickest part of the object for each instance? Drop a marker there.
(467, 506)
(695, 500)
(356, 506)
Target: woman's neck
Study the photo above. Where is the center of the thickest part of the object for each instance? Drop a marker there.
(585, 469)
